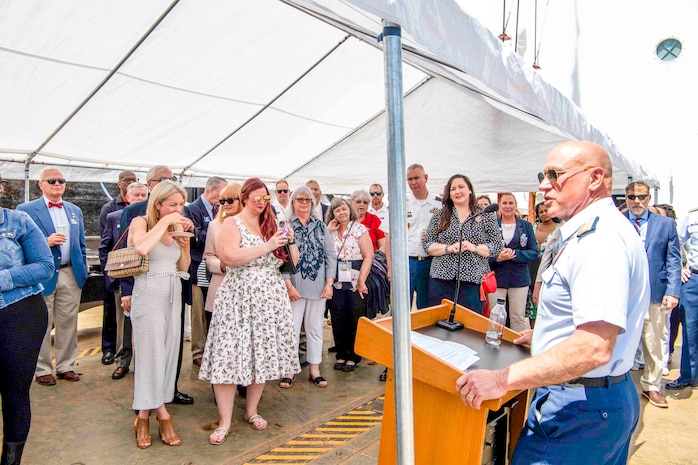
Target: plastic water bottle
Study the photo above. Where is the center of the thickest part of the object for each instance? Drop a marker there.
(498, 317)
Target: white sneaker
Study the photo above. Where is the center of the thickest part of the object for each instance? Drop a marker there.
(665, 371)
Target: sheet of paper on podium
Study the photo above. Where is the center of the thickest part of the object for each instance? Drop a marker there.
(458, 355)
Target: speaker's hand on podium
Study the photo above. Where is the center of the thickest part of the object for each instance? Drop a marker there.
(525, 338)
(477, 386)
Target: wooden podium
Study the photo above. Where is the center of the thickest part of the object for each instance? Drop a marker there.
(445, 430)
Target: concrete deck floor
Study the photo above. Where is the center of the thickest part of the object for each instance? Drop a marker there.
(90, 422)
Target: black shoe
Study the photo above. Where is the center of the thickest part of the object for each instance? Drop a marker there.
(242, 391)
(108, 358)
(349, 367)
(339, 365)
(677, 385)
(383, 376)
(182, 399)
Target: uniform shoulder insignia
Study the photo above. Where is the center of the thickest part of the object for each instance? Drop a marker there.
(588, 227)
(693, 210)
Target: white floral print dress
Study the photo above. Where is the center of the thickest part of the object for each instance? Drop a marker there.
(251, 337)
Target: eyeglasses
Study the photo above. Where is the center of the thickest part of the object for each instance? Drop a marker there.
(375, 193)
(362, 202)
(259, 198)
(553, 175)
(53, 181)
(302, 200)
(282, 191)
(231, 200)
(173, 178)
(640, 197)
(129, 180)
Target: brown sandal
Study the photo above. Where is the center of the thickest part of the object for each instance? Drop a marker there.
(167, 432)
(142, 430)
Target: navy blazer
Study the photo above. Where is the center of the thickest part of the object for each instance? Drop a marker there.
(111, 234)
(196, 211)
(663, 255)
(38, 211)
(514, 272)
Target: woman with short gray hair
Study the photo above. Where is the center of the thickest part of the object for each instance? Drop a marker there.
(310, 288)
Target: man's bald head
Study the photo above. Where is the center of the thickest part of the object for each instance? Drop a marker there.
(584, 175)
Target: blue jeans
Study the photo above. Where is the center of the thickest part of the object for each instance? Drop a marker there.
(419, 281)
(689, 330)
(578, 425)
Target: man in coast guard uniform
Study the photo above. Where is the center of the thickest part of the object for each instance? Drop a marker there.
(688, 236)
(593, 301)
(62, 224)
(420, 208)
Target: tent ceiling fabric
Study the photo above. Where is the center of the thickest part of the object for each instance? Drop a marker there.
(266, 89)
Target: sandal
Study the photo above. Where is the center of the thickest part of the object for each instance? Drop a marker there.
(257, 422)
(319, 381)
(286, 383)
(218, 436)
(142, 430)
(349, 366)
(339, 365)
(167, 432)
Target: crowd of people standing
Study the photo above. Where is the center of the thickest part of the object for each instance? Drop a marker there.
(225, 254)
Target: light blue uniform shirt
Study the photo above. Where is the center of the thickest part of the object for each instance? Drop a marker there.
(602, 275)
(688, 236)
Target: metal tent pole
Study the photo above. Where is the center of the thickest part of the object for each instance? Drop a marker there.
(400, 279)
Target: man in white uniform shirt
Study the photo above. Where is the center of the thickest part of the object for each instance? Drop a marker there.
(420, 208)
(378, 207)
(592, 305)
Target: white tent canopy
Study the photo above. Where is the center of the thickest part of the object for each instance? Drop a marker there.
(274, 89)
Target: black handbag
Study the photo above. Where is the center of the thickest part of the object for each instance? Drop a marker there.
(288, 267)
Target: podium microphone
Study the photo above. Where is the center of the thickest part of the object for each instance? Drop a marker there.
(451, 324)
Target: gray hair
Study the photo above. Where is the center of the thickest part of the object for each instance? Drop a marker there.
(214, 182)
(155, 169)
(135, 185)
(360, 194)
(291, 214)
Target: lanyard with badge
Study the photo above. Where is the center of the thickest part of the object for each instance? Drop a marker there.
(343, 265)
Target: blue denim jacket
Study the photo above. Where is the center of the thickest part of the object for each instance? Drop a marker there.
(25, 258)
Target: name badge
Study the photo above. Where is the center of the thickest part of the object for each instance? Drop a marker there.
(344, 272)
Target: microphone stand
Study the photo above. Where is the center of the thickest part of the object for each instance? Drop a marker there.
(450, 324)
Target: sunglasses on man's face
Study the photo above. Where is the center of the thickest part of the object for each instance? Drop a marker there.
(173, 178)
(282, 191)
(640, 197)
(230, 200)
(373, 194)
(53, 181)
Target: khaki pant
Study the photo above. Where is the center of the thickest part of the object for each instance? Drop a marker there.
(63, 307)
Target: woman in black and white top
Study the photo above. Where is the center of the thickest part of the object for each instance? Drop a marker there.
(481, 238)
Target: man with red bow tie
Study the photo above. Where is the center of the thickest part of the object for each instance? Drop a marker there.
(62, 224)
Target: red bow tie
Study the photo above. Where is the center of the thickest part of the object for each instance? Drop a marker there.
(57, 204)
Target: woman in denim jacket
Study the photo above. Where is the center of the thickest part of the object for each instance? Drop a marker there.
(25, 262)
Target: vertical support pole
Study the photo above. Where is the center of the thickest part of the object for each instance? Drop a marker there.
(397, 188)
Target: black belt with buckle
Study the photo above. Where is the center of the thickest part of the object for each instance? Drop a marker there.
(65, 265)
(419, 259)
(693, 270)
(596, 382)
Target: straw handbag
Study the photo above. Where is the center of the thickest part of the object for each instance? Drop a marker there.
(123, 263)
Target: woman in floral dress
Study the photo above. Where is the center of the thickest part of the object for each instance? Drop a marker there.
(251, 336)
